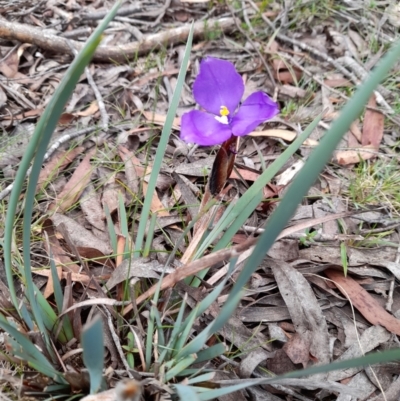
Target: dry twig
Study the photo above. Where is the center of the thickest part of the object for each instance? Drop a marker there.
(29, 34)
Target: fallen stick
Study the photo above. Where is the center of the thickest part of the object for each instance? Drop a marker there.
(29, 34)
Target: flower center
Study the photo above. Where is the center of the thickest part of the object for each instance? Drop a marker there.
(223, 117)
(224, 111)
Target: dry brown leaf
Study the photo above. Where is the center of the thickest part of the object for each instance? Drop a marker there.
(364, 302)
(130, 170)
(304, 310)
(140, 170)
(285, 73)
(26, 114)
(66, 118)
(159, 119)
(356, 131)
(140, 267)
(96, 255)
(121, 242)
(223, 165)
(9, 65)
(110, 197)
(144, 80)
(373, 126)
(91, 207)
(76, 185)
(80, 236)
(59, 256)
(292, 92)
(58, 162)
(49, 290)
(92, 109)
(288, 136)
(156, 205)
(345, 157)
(78, 277)
(245, 174)
(338, 82)
(298, 349)
(280, 363)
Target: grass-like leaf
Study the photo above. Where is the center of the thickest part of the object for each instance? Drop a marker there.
(199, 341)
(160, 329)
(210, 353)
(30, 353)
(205, 377)
(371, 359)
(150, 331)
(180, 366)
(184, 335)
(162, 145)
(167, 352)
(150, 235)
(93, 352)
(111, 229)
(186, 392)
(123, 218)
(58, 295)
(35, 151)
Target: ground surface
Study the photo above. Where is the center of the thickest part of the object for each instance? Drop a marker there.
(310, 56)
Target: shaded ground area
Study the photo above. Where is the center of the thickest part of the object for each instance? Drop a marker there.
(298, 308)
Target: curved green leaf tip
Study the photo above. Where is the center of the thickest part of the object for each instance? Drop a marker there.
(93, 352)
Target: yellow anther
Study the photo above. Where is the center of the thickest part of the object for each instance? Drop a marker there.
(224, 111)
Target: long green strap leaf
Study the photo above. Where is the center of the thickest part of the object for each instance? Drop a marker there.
(180, 366)
(36, 356)
(93, 352)
(37, 147)
(162, 145)
(186, 393)
(371, 359)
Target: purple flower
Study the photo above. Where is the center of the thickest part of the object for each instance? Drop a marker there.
(219, 89)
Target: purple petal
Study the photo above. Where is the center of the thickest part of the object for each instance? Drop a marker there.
(256, 109)
(202, 128)
(218, 84)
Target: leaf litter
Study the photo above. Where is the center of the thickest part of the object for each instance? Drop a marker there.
(298, 309)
